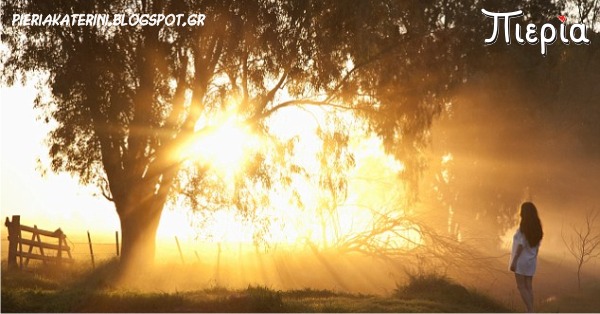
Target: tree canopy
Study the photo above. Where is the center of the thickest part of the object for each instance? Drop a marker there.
(125, 99)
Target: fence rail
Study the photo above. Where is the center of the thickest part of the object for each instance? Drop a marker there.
(78, 249)
(47, 252)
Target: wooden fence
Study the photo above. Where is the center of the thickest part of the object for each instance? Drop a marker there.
(47, 252)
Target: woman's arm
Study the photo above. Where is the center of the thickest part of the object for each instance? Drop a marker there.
(513, 265)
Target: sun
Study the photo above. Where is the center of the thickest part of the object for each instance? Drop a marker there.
(223, 146)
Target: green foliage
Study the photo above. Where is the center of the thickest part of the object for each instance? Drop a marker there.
(431, 285)
(258, 299)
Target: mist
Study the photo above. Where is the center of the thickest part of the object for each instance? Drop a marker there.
(305, 146)
(507, 146)
(496, 145)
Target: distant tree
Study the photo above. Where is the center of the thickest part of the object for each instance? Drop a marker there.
(517, 107)
(584, 241)
(583, 11)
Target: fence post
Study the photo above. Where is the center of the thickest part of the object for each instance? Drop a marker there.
(91, 250)
(117, 241)
(63, 239)
(14, 232)
(60, 246)
(34, 236)
(179, 248)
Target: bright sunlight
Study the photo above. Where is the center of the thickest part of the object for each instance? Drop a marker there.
(224, 144)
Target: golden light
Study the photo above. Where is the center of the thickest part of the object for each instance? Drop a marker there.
(226, 226)
(224, 146)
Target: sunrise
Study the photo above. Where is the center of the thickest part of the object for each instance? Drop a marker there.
(300, 156)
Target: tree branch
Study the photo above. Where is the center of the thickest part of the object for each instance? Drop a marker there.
(301, 102)
(105, 187)
(179, 96)
(270, 95)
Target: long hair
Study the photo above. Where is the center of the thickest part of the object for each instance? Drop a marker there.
(531, 225)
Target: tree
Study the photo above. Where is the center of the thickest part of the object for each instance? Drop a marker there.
(126, 99)
(500, 127)
(584, 242)
(583, 11)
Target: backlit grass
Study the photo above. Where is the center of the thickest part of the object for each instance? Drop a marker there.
(79, 290)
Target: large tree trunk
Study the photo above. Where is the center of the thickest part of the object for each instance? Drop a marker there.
(139, 223)
(138, 231)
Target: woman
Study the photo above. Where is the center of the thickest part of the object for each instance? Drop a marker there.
(526, 243)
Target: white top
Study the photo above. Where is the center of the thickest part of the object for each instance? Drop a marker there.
(528, 259)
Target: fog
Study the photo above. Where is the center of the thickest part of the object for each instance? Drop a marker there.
(507, 147)
(498, 144)
(507, 153)
(487, 155)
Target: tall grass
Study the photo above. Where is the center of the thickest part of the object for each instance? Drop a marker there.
(451, 296)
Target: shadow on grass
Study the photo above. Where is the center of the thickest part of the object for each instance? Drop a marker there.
(75, 289)
(253, 299)
(52, 288)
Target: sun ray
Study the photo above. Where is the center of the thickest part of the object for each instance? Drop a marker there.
(225, 144)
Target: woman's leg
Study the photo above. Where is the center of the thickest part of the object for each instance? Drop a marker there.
(529, 284)
(526, 293)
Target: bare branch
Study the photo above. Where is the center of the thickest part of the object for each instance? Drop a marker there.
(584, 243)
(105, 187)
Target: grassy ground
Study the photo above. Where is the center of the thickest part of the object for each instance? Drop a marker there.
(49, 290)
(585, 301)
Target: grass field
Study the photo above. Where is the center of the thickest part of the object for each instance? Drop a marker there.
(78, 290)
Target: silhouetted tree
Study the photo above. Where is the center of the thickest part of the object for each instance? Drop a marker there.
(125, 99)
(518, 118)
(583, 11)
